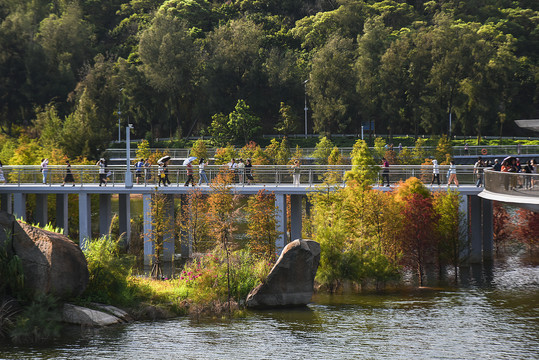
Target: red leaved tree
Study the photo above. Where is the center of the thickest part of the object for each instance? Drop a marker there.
(527, 231)
(418, 240)
(501, 221)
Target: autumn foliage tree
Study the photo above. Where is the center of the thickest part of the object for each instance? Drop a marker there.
(418, 242)
(501, 220)
(527, 231)
(261, 219)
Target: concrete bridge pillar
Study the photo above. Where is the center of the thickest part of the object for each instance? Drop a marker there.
(19, 205)
(41, 216)
(168, 236)
(168, 249)
(62, 214)
(281, 219)
(488, 230)
(476, 239)
(186, 238)
(124, 215)
(149, 249)
(7, 203)
(295, 217)
(105, 214)
(85, 219)
(465, 225)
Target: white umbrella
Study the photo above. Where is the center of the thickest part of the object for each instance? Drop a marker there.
(189, 159)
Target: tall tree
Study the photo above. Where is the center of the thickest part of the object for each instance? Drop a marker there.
(171, 62)
(332, 86)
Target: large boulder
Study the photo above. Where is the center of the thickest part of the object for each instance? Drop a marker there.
(52, 263)
(291, 281)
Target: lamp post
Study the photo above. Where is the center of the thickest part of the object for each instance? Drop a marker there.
(306, 108)
(128, 175)
(119, 115)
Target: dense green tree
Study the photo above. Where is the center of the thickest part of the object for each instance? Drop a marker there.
(170, 62)
(332, 86)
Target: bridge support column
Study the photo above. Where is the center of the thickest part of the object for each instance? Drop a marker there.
(124, 215)
(295, 217)
(105, 214)
(19, 205)
(185, 236)
(41, 216)
(465, 226)
(149, 249)
(281, 219)
(168, 236)
(488, 230)
(62, 215)
(85, 219)
(7, 203)
(476, 233)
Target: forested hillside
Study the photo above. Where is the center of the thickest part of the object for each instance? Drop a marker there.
(172, 67)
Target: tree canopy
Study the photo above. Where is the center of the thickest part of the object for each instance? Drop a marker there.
(170, 67)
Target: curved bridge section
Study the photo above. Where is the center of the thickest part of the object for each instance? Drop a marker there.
(518, 189)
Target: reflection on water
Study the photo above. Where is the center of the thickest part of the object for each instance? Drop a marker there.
(496, 319)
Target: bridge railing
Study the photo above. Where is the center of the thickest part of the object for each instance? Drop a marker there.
(509, 183)
(119, 154)
(262, 174)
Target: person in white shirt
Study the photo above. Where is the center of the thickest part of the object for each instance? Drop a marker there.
(202, 172)
(452, 174)
(44, 170)
(435, 172)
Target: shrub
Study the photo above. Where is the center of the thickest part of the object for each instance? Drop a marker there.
(109, 271)
(206, 278)
(38, 322)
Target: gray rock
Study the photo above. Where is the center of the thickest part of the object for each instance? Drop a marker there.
(73, 314)
(113, 310)
(52, 263)
(291, 281)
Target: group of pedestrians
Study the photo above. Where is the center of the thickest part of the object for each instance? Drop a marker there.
(513, 165)
(451, 173)
(241, 170)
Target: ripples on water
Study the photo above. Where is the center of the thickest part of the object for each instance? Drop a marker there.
(499, 321)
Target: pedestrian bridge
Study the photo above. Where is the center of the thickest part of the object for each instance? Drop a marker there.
(28, 180)
(518, 189)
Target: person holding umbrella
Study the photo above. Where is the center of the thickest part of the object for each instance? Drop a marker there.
(189, 174)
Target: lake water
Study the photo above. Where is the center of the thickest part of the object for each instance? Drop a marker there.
(494, 320)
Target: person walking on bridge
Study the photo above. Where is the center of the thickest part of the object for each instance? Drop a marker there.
(44, 169)
(102, 172)
(385, 172)
(2, 178)
(478, 171)
(452, 174)
(69, 175)
(189, 175)
(435, 172)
